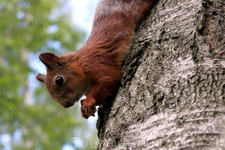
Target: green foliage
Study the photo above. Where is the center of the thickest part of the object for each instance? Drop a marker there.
(34, 121)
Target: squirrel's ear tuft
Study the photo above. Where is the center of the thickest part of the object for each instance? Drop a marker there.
(49, 59)
(41, 78)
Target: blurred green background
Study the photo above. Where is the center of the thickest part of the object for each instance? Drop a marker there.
(29, 118)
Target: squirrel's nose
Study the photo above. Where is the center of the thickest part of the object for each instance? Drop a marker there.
(67, 105)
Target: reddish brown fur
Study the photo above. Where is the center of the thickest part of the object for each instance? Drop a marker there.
(95, 70)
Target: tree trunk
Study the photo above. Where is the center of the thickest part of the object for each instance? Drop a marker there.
(173, 87)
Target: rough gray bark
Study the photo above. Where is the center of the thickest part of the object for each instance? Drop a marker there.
(173, 89)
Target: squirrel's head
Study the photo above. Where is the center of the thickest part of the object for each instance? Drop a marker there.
(65, 79)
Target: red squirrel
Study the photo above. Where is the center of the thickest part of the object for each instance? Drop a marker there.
(95, 69)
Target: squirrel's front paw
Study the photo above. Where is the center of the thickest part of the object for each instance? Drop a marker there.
(87, 108)
(84, 115)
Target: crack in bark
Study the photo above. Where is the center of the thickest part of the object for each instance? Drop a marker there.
(208, 29)
(131, 64)
(205, 30)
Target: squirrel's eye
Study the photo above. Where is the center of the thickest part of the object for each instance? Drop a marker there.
(59, 80)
